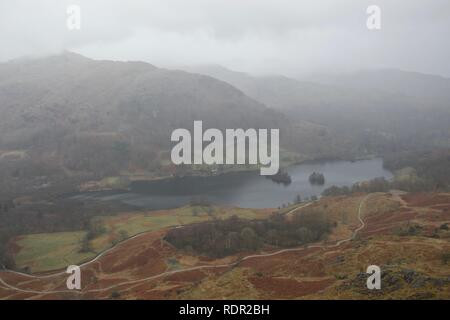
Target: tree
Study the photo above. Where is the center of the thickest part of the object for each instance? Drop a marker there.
(86, 244)
(304, 235)
(317, 178)
(249, 239)
(6, 259)
(232, 241)
(272, 237)
(95, 229)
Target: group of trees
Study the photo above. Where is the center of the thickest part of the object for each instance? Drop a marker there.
(432, 169)
(415, 171)
(94, 229)
(281, 177)
(220, 238)
(380, 185)
(374, 185)
(6, 259)
(317, 178)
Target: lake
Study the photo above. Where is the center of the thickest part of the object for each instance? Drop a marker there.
(244, 189)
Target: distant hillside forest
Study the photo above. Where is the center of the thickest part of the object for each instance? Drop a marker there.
(414, 171)
(227, 237)
(68, 119)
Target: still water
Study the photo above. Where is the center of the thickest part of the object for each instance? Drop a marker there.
(244, 189)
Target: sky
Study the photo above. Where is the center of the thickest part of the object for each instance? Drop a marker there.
(290, 37)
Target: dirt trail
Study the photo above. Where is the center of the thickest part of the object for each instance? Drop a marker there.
(397, 196)
(167, 273)
(299, 207)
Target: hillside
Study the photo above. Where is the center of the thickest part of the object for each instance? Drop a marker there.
(380, 111)
(405, 234)
(70, 116)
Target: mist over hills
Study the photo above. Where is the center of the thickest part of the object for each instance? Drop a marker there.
(431, 89)
(117, 96)
(75, 115)
(383, 110)
(70, 116)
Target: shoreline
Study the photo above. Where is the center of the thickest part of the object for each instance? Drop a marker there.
(152, 178)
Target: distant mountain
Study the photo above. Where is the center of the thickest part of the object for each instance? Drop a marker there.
(382, 110)
(109, 96)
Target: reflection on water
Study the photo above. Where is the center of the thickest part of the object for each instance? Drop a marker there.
(245, 189)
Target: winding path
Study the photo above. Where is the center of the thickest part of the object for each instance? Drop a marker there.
(168, 273)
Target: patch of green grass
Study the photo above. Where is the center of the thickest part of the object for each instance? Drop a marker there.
(50, 251)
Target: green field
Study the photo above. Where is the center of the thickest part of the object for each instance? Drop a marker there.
(51, 251)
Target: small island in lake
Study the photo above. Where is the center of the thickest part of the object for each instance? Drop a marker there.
(281, 177)
(317, 178)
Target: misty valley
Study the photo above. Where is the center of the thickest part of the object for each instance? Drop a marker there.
(88, 178)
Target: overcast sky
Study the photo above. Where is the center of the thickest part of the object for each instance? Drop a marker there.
(291, 37)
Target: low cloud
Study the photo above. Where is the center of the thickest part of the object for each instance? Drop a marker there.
(258, 36)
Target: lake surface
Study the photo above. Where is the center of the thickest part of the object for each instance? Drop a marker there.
(244, 189)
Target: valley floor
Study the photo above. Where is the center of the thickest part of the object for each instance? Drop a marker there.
(405, 234)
